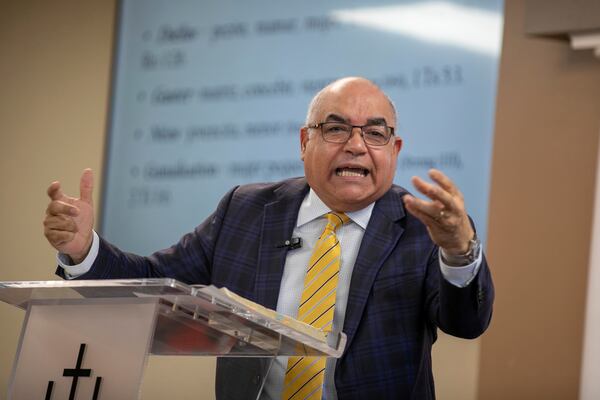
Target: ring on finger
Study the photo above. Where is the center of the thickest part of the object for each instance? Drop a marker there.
(441, 215)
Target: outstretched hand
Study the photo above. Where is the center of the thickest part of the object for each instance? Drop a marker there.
(69, 220)
(444, 214)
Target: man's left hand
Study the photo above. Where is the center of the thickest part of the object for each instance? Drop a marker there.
(444, 214)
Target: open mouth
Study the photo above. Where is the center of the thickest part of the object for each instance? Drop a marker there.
(361, 172)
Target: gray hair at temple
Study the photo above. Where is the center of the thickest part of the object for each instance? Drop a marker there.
(316, 101)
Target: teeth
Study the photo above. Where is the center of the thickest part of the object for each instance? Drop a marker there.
(351, 172)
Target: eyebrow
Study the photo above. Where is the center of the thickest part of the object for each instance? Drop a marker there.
(376, 121)
(336, 118)
(370, 121)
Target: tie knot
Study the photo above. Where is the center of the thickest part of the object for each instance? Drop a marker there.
(335, 220)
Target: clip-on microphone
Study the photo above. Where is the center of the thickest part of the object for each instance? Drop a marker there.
(291, 244)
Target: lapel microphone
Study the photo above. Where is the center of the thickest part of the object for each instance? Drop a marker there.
(291, 244)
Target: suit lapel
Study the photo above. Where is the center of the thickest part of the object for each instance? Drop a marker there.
(278, 225)
(380, 239)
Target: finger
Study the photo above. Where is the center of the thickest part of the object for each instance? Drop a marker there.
(429, 208)
(411, 205)
(434, 192)
(60, 223)
(58, 238)
(61, 208)
(54, 191)
(441, 179)
(86, 185)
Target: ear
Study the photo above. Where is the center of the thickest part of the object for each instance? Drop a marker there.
(397, 145)
(303, 141)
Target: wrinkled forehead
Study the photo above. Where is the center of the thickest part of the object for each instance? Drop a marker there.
(357, 102)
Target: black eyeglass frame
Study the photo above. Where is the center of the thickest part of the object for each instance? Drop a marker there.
(318, 125)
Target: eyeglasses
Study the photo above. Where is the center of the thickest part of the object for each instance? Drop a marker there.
(339, 132)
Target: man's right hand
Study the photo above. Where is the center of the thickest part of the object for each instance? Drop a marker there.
(69, 220)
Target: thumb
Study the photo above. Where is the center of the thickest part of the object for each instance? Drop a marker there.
(86, 185)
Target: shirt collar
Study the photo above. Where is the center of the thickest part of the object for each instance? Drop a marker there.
(312, 207)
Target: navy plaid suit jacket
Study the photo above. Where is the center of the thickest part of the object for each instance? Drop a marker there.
(397, 296)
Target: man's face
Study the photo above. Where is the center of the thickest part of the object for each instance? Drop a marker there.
(349, 176)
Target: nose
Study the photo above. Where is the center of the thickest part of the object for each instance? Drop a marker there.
(356, 144)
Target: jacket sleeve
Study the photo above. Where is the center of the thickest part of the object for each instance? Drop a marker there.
(189, 260)
(462, 312)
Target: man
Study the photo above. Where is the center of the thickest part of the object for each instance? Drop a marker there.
(394, 285)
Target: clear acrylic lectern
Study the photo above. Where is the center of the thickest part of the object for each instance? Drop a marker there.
(90, 339)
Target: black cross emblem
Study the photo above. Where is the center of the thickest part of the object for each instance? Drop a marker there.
(75, 373)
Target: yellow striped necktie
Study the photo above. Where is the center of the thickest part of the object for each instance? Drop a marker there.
(305, 375)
